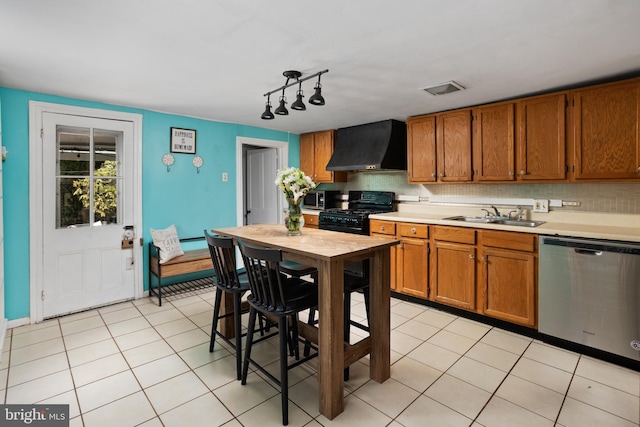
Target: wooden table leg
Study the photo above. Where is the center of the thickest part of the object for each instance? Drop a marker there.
(330, 339)
(226, 324)
(380, 301)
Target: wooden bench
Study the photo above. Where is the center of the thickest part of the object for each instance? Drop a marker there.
(193, 261)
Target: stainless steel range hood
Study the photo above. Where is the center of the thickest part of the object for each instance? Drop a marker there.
(373, 146)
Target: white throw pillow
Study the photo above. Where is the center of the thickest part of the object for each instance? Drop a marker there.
(168, 242)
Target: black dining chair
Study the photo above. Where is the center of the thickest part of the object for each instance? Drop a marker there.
(275, 295)
(230, 280)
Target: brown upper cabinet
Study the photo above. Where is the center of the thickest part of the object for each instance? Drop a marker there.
(439, 147)
(605, 132)
(453, 146)
(494, 142)
(421, 149)
(587, 134)
(541, 138)
(316, 149)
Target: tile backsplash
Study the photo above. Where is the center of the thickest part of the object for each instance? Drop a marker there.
(617, 197)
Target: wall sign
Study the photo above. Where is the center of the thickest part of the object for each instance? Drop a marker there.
(183, 140)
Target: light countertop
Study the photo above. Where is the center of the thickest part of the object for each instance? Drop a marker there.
(574, 224)
(560, 223)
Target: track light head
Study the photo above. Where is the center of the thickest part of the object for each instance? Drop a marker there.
(282, 110)
(267, 115)
(298, 104)
(316, 98)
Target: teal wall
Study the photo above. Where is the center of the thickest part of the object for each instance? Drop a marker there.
(190, 200)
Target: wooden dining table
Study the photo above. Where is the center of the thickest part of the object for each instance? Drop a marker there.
(329, 251)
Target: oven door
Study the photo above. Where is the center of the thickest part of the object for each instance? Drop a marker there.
(340, 228)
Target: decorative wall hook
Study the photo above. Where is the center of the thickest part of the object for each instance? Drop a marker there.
(197, 162)
(168, 160)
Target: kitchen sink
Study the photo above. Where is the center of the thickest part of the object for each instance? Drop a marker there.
(491, 220)
(476, 219)
(518, 222)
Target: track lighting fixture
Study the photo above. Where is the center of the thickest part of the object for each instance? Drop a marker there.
(316, 99)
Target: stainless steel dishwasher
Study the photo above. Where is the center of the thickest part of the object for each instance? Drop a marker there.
(589, 293)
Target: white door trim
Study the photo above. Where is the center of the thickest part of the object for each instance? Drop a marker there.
(36, 109)
(282, 150)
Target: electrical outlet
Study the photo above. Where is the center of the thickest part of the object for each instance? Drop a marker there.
(225, 177)
(540, 205)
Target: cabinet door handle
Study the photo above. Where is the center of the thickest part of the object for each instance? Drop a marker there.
(382, 228)
(523, 172)
(442, 174)
(484, 258)
(433, 175)
(510, 173)
(638, 168)
(472, 256)
(413, 230)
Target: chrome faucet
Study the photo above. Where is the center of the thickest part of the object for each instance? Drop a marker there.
(495, 210)
(487, 214)
(518, 213)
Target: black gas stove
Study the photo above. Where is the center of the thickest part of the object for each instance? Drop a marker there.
(355, 219)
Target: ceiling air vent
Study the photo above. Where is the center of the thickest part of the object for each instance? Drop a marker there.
(443, 88)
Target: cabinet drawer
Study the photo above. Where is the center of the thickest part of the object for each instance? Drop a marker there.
(509, 240)
(311, 220)
(382, 227)
(455, 234)
(420, 231)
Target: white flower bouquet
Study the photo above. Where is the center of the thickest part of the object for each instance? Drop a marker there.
(294, 183)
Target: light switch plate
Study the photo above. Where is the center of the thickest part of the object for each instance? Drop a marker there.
(540, 205)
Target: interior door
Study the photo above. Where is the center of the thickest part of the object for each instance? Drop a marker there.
(261, 193)
(87, 182)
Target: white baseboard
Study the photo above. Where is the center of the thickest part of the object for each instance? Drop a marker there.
(3, 334)
(18, 322)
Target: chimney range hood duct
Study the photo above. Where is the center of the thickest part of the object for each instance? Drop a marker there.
(373, 146)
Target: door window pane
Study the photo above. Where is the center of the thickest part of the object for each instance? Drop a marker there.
(70, 209)
(105, 149)
(73, 151)
(88, 179)
(105, 200)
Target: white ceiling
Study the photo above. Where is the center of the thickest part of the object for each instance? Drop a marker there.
(215, 59)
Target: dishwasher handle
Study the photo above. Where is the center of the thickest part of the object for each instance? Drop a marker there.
(587, 252)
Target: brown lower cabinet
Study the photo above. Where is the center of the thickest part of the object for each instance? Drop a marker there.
(489, 272)
(507, 276)
(412, 259)
(453, 272)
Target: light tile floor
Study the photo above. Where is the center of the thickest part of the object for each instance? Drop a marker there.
(139, 364)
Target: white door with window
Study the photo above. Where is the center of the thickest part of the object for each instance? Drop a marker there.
(87, 199)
